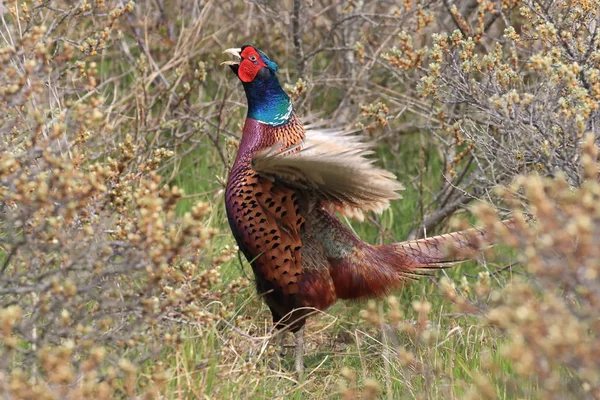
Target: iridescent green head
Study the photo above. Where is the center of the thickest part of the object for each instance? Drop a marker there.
(267, 102)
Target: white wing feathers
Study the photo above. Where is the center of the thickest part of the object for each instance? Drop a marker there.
(332, 163)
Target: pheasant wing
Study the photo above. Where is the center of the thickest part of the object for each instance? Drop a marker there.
(333, 165)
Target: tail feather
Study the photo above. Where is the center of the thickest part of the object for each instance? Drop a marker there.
(372, 271)
(441, 249)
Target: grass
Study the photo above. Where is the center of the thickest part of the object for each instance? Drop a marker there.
(342, 348)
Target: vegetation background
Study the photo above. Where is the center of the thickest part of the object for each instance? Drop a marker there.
(119, 277)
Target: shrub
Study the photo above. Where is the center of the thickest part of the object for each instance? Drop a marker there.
(91, 244)
(542, 321)
(511, 90)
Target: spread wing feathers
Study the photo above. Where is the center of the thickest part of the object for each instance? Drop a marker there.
(333, 165)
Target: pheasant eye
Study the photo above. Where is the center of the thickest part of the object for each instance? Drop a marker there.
(252, 58)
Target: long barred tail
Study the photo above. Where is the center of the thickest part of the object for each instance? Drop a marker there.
(446, 248)
(374, 270)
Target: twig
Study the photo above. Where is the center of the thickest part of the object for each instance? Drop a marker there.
(297, 36)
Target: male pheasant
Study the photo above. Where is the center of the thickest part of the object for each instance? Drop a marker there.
(281, 195)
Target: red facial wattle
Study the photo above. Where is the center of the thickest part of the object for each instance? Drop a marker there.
(250, 65)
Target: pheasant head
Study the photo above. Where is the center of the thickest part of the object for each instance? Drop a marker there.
(267, 102)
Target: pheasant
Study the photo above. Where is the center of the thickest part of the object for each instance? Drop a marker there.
(282, 193)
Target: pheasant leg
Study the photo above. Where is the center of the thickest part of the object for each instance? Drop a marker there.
(300, 352)
(282, 343)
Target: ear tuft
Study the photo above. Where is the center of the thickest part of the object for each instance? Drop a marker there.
(270, 64)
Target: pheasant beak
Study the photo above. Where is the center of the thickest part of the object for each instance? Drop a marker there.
(236, 52)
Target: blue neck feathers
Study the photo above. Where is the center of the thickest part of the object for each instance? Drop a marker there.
(267, 102)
